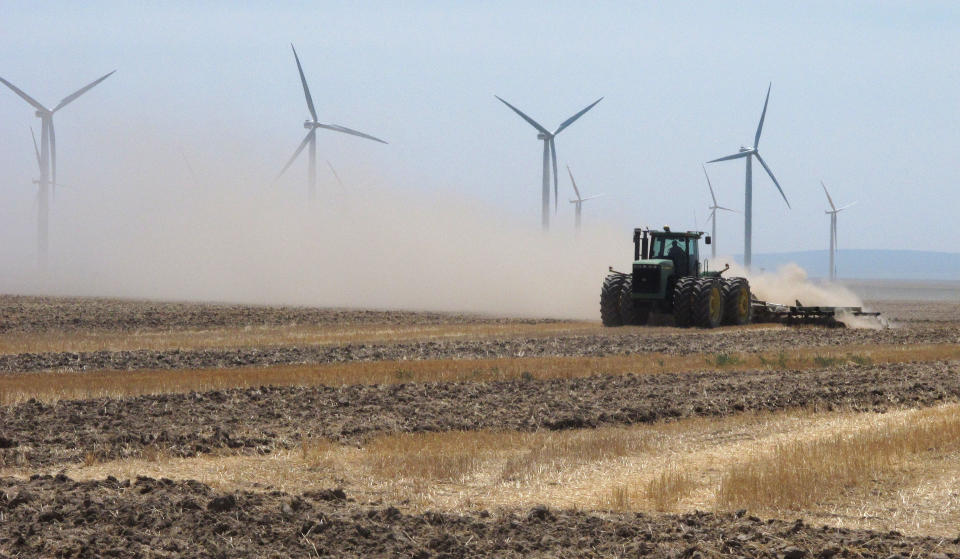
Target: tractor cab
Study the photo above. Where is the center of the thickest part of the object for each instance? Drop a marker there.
(677, 251)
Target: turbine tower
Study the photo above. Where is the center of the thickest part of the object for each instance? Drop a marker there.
(832, 212)
(549, 152)
(713, 215)
(48, 158)
(311, 138)
(749, 153)
(579, 201)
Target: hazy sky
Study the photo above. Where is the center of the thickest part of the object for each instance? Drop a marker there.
(866, 96)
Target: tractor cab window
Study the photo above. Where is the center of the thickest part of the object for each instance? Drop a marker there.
(676, 249)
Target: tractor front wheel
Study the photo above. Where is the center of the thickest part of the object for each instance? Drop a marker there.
(683, 302)
(737, 308)
(707, 303)
(630, 311)
(610, 299)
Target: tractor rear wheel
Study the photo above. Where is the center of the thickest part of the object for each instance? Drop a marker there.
(683, 302)
(707, 303)
(610, 299)
(630, 311)
(737, 308)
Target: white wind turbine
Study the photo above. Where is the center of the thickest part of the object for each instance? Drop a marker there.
(749, 153)
(549, 152)
(832, 212)
(713, 215)
(311, 138)
(580, 200)
(48, 157)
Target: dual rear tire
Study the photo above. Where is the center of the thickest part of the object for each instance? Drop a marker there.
(702, 302)
(710, 302)
(617, 306)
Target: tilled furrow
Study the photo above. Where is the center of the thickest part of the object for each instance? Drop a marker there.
(266, 418)
(617, 342)
(58, 517)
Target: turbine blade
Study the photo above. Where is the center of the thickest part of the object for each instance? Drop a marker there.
(345, 130)
(575, 189)
(571, 120)
(303, 80)
(829, 199)
(592, 197)
(712, 195)
(712, 216)
(769, 172)
(53, 159)
(69, 98)
(36, 149)
(847, 206)
(729, 157)
(756, 139)
(556, 193)
(335, 175)
(532, 122)
(727, 209)
(36, 104)
(303, 144)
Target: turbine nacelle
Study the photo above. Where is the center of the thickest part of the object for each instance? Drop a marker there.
(542, 136)
(310, 124)
(744, 149)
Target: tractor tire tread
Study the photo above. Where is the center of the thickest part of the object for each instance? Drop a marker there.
(610, 299)
(702, 291)
(733, 287)
(683, 302)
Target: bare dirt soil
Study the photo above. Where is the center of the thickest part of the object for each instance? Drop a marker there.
(260, 420)
(57, 517)
(37, 314)
(616, 342)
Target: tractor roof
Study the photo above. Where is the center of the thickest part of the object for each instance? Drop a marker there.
(666, 232)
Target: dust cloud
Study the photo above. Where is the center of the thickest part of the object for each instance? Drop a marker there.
(260, 243)
(790, 284)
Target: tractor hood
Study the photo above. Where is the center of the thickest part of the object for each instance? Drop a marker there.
(664, 263)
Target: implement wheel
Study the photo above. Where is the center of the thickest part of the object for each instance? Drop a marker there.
(737, 308)
(610, 299)
(630, 311)
(683, 302)
(707, 303)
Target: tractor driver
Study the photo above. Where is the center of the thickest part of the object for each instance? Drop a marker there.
(679, 257)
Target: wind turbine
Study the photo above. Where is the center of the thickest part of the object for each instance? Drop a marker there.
(832, 212)
(48, 156)
(311, 138)
(580, 200)
(549, 152)
(713, 215)
(749, 153)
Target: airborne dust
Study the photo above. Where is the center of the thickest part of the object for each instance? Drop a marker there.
(230, 236)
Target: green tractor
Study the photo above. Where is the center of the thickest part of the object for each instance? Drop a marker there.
(667, 278)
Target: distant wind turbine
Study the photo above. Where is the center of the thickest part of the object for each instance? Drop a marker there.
(311, 138)
(580, 200)
(832, 212)
(48, 157)
(749, 153)
(549, 152)
(713, 215)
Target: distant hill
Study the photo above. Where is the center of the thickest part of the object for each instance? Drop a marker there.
(869, 264)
